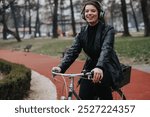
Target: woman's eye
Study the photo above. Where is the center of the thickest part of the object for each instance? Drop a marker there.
(86, 11)
(93, 11)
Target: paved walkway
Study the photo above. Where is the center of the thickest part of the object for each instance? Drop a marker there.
(41, 88)
(138, 89)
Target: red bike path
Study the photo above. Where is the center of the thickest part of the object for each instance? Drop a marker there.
(137, 89)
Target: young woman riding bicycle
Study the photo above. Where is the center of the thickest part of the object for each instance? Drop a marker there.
(97, 41)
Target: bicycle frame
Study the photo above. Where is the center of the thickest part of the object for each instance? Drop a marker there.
(71, 90)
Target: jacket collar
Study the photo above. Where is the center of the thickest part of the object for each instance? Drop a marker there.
(98, 32)
(98, 37)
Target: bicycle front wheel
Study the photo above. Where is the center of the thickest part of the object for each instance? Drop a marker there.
(118, 95)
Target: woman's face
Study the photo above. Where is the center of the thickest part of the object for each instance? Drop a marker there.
(91, 15)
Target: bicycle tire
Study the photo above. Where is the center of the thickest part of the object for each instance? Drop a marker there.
(118, 95)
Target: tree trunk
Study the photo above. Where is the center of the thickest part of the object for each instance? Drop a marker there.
(144, 6)
(24, 18)
(4, 23)
(51, 12)
(134, 17)
(62, 17)
(72, 19)
(55, 19)
(15, 21)
(30, 30)
(125, 19)
(37, 23)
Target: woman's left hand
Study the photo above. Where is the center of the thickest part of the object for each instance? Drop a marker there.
(98, 75)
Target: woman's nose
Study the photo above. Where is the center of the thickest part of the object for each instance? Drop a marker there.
(89, 12)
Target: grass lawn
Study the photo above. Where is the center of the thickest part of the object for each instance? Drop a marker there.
(135, 48)
(129, 49)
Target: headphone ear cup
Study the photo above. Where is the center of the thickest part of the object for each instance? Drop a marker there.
(102, 13)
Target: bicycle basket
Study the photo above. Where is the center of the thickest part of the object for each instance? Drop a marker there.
(126, 75)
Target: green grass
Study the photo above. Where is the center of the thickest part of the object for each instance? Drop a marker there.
(47, 46)
(136, 48)
(53, 47)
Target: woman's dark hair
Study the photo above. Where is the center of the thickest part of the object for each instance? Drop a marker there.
(95, 3)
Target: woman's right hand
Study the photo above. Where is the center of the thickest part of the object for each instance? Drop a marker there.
(56, 69)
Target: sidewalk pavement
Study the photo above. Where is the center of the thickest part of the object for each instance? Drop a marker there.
(143, 67)
(137, 89)
(41, 88)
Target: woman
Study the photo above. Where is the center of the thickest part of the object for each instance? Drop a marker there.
(97, 41)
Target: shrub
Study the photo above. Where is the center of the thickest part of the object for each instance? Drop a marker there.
(16, 81)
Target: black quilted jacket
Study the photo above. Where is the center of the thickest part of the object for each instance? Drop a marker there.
(103, 55)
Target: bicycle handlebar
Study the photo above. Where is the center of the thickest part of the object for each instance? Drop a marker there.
(89, 75)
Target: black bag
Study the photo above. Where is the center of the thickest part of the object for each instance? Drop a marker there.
(126, 75)
(120, 73)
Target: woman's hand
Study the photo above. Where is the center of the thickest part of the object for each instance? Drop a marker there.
(98, 75)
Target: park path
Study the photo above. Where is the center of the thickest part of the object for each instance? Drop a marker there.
(137, 89)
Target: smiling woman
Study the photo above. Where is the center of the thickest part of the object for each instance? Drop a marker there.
(96, 39)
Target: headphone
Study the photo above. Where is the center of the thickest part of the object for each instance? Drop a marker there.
(98, 6)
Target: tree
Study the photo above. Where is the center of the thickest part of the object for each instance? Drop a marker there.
(134, 16)
(37, 22)
(125, 19)
(55, 19)
(29, 25)
(112, 7)
(72, 19)
(24, 17)
(5, 27)
(62, 17)
(144, 6)
(12, 3)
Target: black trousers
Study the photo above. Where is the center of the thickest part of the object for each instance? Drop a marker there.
(91, 91)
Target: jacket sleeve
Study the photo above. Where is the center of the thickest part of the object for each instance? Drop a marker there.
(107, 48)
(71, 54)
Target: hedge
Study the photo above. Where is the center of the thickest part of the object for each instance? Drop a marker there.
(16, 81)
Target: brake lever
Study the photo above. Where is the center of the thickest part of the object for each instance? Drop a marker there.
(90, 76)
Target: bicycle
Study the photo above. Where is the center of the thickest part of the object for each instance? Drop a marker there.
(117, 94)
